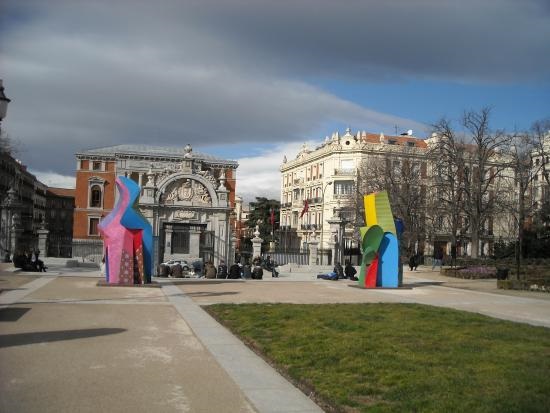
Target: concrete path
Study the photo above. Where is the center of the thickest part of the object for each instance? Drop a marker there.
(265, 388)
(68, 345)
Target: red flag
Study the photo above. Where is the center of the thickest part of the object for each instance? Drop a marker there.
(272, 217)
(306, 208)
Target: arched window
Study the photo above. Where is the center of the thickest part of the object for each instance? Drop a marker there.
(95, 196)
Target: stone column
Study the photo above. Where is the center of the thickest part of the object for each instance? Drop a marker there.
(167, 241)
(43, 241)
(16, 233)
(194, 243)
(332, 246)
(257, 243)
(233, 247)
(313, 244)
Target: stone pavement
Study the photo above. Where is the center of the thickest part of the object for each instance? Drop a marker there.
(68, 345)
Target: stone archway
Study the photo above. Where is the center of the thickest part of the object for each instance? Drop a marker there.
(187, 189)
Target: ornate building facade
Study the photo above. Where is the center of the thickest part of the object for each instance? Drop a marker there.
(327, 178)
(187, 197)
(22, 206)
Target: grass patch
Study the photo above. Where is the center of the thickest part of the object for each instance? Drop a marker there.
(399, 357)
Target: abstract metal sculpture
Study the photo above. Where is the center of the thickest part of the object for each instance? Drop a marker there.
(127, 239)
(380, 264)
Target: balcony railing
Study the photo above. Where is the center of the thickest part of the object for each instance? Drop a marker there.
(344, 171)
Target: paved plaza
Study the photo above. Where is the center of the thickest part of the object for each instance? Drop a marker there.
(67, 344)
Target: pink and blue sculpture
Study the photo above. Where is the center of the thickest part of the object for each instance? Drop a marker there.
(127, 239)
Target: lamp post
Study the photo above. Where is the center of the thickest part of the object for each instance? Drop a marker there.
(5, 220)
(322, 220)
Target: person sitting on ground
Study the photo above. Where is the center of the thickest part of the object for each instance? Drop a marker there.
(339, 270)
(270, 266)
(350, 271)
(177, 271)
(257, 272)
(210, 270)
(247, 271)
(234, 271)
(332, 276)
(38, 264)
(222, 270)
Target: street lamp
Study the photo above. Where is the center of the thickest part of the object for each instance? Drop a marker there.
(322, 219)
(7, 222)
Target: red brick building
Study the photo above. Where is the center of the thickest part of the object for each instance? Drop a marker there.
(186, 196)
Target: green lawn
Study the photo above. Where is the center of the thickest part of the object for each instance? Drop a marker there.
(400, 357)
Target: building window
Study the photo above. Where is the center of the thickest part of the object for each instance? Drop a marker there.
(95, 196)
(180, 242)
(92, 226)
(96, 166)
(343, 187)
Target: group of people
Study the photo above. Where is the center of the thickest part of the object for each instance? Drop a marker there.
(238, 270)
(29, 261)
(340, 272)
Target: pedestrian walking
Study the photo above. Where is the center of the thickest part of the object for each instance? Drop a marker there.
(437, 258)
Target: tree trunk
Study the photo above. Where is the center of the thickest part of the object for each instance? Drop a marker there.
(475, 244)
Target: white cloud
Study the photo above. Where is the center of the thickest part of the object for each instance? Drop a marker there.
(54, 179)
(260, 175)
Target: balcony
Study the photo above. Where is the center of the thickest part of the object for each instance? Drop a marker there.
(344, 172)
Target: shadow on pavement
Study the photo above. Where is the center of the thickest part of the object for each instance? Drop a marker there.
(202, 281)
(211, 294)
(12, 314)
(10, 340)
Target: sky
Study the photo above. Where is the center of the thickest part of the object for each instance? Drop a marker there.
(253, 80)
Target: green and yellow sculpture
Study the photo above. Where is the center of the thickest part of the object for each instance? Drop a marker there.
(380, 264)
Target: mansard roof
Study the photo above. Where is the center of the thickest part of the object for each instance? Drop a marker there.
(153, 152)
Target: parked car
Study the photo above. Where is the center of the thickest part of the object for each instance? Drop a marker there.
(171, 263)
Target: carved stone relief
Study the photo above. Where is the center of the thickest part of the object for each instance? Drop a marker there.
(187, 190)
(184, 215)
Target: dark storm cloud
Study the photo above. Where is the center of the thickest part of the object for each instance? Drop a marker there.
(469, 40)
(89, 74)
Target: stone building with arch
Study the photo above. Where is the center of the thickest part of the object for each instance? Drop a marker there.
(188, 198)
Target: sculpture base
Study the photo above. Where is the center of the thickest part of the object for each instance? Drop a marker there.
(103, 283)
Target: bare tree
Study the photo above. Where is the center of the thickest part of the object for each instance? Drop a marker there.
(519, 201)
(465, 172)
(446, 200)
(7, 145)
(540, 136)
(400, 174)
(484, 166)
